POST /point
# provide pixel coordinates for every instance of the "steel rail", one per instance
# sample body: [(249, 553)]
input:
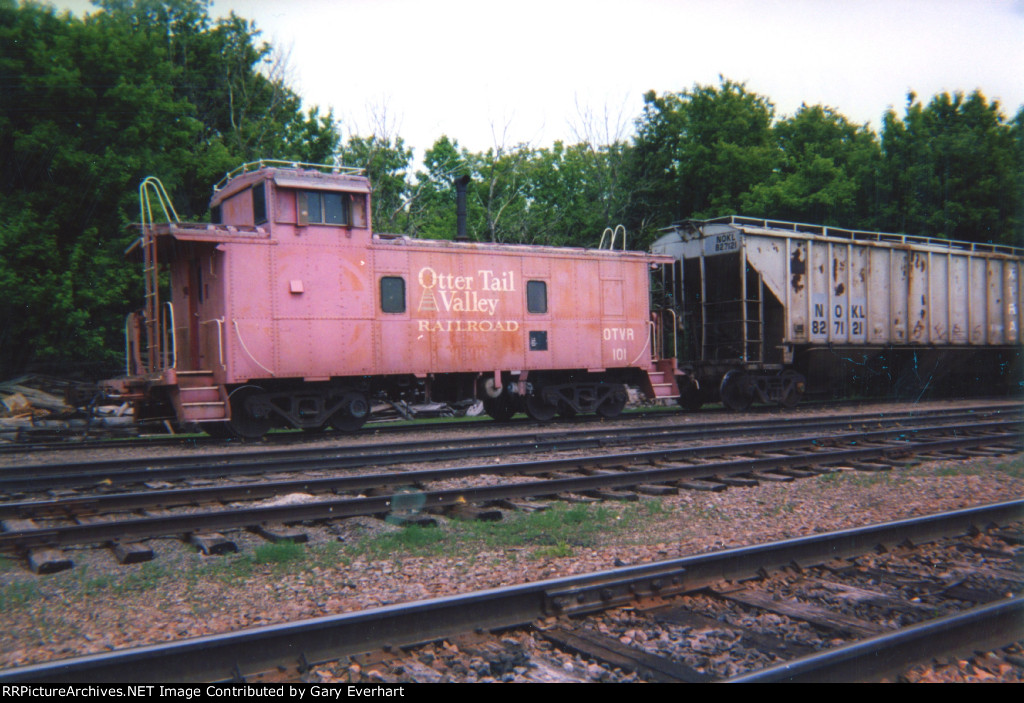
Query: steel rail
[(120, 471), (310, 642), (265, 489), (989, 626), (236, 517), (514, 439), (377, 427)]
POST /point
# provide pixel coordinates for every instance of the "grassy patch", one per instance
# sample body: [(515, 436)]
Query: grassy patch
[(555, 551), (553, 532), (958, 470), (411, 539), (233, 569), (708, 511), (146, 578), (1014, 467), (16, 595), (278, 553), (780, 508), (93, 585), (860, 479)]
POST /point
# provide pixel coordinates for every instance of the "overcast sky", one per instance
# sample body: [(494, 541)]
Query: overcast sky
[(490, 72)]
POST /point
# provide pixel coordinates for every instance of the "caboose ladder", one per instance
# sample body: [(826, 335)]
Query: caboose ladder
[(661, 380), (199, 398), (155, 333)]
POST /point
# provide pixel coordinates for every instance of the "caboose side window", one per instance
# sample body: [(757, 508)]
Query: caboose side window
[(259, 204), (322, 208), (392, 294), (536, 296)]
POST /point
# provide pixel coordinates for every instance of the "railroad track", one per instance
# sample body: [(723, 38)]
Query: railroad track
[(462, 425), (920, 588), (119, 472), (114, 519)]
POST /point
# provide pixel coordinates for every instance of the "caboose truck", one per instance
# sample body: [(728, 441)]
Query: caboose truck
[(288, 310), (766, 304)]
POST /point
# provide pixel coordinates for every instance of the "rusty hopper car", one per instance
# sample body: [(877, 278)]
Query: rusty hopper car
[(768, 307), (288, 310)]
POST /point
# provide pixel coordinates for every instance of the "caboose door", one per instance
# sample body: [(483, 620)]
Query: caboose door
[(192, 361)]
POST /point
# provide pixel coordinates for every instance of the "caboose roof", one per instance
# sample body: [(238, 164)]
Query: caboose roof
[(406, 241), (291, 174)]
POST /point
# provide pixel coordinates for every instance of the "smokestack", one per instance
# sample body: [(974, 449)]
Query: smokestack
[(460, 209)]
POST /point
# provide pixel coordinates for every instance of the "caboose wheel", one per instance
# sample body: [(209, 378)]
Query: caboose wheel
[(612, 405), (736, 391), (352, 414), (344, 422), (500, 408), (250, 416), (540, 410)]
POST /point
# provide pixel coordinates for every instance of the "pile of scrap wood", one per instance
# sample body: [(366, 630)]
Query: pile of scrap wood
[(30, 404)]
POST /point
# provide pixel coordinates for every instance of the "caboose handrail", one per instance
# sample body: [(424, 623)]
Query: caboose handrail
[(174, 337), (220, 338), (614, 234), (153, 184), (647, 344), (281, 163), (238, 332)]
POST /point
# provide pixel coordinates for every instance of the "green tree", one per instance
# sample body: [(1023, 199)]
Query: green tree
[(87, 109), (952, 169), (432, 199), (696, 153), (826, 173)]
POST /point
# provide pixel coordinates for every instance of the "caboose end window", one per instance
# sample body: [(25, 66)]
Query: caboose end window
[(537, 296), (392, 294), (322, 208)]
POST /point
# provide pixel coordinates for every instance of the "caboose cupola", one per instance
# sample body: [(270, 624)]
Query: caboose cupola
[(292, 196)]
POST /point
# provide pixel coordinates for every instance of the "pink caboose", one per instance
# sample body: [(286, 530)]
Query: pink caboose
[(290, 311)]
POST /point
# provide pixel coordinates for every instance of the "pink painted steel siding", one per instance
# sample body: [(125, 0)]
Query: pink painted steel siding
[(304, 310), (305, 303)]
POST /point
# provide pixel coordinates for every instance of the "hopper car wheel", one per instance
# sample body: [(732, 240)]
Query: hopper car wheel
[(250, 419), (689, 395), (736, 391), (540, 410), (352, 414), (793, 385), (612, 405)]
